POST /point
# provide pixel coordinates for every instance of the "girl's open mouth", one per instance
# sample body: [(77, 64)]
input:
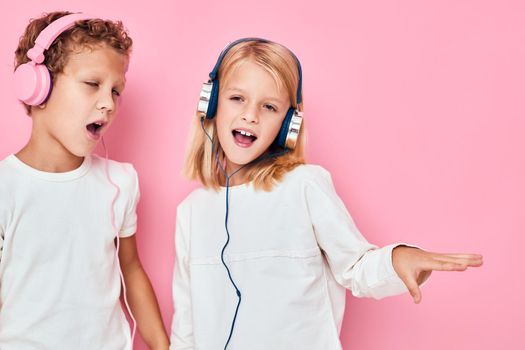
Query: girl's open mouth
[(243, 138)]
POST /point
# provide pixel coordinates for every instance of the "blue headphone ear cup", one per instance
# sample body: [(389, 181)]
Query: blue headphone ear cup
[(283, 132), (214, 100)]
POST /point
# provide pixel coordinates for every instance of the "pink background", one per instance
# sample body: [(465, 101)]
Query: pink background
[(415, 107)]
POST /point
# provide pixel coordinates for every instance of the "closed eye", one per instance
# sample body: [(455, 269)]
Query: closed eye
[(270, 107), (236, 98), (96, 84)]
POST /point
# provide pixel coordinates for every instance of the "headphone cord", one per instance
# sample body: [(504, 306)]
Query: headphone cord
[(228, 177), (112, 214)]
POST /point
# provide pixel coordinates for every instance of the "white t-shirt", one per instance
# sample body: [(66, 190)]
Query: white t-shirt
[(292, 253), (59, 276)]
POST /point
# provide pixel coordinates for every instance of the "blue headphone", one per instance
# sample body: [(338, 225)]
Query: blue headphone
[(209, 97)]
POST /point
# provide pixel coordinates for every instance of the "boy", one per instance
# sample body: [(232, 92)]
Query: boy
[(62, 209)]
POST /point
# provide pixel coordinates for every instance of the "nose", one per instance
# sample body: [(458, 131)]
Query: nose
[(106, 102), (250, 115)]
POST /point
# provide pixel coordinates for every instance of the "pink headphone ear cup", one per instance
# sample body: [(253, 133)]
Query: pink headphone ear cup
[(32, 83)]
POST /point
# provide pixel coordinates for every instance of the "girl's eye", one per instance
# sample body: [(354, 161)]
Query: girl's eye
[(116, 92), (236, 98), (270, 107), (92, 83)]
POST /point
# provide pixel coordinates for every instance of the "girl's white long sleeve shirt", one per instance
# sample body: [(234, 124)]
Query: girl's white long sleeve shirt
[(293, 251)]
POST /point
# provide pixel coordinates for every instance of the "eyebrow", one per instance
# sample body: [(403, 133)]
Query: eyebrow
[(235, 89)]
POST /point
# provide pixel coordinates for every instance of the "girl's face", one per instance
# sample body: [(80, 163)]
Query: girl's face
[(251, 109)]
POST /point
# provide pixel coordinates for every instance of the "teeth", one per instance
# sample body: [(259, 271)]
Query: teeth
[(242, 132)]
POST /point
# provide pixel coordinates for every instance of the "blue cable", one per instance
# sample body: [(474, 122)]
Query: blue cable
[(228, 177)]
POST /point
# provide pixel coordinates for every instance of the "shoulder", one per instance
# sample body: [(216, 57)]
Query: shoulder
[(122, 174), (197, 196), (7, 180), (8, 174), (114, 167), (6, 164), (308, 173), (12, 186)]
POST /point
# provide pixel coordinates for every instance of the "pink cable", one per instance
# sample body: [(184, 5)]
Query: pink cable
[(112, 212)]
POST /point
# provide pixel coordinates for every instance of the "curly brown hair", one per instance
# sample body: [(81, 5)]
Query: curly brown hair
[(84, 34)]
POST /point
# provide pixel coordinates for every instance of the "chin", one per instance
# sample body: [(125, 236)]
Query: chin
[(81, 152), (242, 156), (242, 160), (238, 160)]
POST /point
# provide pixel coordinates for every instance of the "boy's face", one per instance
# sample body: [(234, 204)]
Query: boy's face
[(83, 101), (250, 112)]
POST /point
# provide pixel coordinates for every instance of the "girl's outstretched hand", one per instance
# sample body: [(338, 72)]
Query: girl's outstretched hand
[(414, 265)]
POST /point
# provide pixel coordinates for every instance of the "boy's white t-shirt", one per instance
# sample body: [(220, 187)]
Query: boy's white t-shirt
[(59, 276), (293, 252)]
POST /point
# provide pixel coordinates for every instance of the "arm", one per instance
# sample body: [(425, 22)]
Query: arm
[(182, 326), (141, 297), (356, 264), (364, 268)]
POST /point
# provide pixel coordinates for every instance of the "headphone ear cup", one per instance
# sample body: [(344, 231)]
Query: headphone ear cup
[(32, 83), (214, 100), (289, 132), (204, 98), (285, 126)]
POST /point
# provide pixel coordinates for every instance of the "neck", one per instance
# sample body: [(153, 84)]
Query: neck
[(239, 177), (48, 157)]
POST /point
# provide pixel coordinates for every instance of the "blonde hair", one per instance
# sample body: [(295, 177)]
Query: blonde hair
[(200, 163)]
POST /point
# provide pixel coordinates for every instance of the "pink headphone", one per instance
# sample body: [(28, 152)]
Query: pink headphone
[(32, 80)]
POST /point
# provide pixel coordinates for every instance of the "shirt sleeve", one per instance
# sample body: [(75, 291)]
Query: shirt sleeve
[(1, 242), (182, 324), (356, 264), (129, 224)]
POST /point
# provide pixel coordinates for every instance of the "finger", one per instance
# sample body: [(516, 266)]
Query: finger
[(467, 257), (413, 289), (444, 266), (473, 262), (463, 255)]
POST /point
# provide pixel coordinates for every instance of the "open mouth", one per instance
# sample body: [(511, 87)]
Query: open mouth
[(243, 138), (94, 129)]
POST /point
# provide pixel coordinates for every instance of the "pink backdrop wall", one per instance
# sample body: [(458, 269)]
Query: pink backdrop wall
[(416, 107)]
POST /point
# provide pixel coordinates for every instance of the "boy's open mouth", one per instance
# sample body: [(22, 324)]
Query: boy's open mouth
[(95, 128), (243, 138)]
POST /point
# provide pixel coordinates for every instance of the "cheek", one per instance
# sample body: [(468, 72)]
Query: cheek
[(274, 127), (67, 101), (222, 121), (222, 131), (229, 108)]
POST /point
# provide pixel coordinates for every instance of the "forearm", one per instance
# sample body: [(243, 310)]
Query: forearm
[(374, 276), (145, 309)]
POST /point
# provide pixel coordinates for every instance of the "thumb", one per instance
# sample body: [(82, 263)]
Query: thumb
[(413, 289)]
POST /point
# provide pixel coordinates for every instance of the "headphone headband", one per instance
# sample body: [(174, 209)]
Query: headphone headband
[(48, 35), (215, 72), (32, 80)]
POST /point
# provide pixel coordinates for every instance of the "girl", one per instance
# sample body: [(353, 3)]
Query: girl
[(266, 249)]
